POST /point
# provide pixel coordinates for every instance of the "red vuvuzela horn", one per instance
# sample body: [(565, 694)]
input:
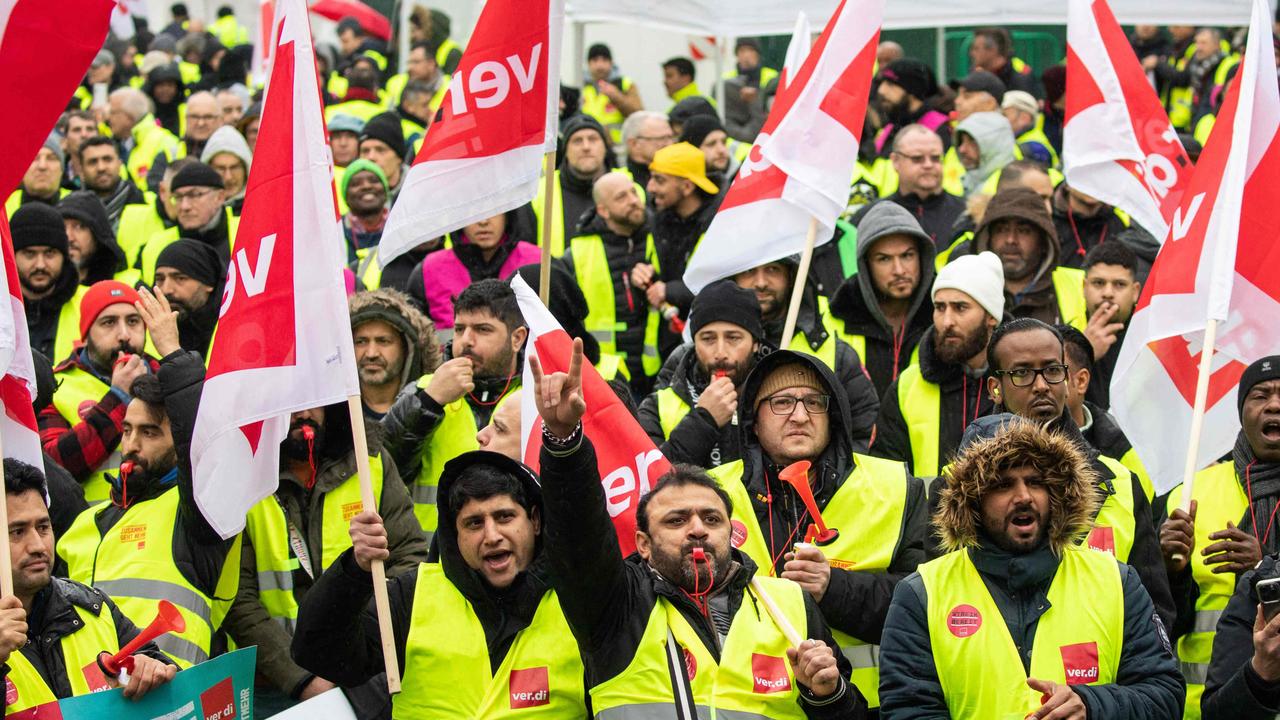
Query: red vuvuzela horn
[(168, 619), (797, 476)]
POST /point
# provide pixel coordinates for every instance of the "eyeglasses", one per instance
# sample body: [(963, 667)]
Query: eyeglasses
[(179, 198), (920, 159), (203, 118), (656, 138), (786, 404), (1025, 377)]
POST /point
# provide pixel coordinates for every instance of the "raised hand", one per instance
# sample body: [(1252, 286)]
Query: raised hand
[(815, 667), (368, 540), (1102, 333), (559, 395), (1178, 539), (451, 381), (161, 320)]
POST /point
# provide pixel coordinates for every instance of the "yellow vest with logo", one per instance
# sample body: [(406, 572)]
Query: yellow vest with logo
[(454, 435), (1068, 287), (867, 509), (752, 680), (979, 667), (1115, 526), (591, 267), (76, 387), (447, 672), (599, 106), (151, 251), (79, 650), (268, 530), (133, 563), (1220, 499)]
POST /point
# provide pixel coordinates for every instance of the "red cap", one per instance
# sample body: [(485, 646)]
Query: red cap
[(100, 296)]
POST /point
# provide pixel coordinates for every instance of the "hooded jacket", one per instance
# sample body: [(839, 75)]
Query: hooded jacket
[(422, 349), (107, 259), (608, 599), (996, 145), (937, 214), (338, 636), (1038, 299), (42, 314), (857, 304), (1148, 683), (169, 114), (695, 439), (227, 139)]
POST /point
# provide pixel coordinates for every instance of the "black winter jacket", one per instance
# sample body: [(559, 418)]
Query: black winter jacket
[(1233, 689), (1148, 684), (608, 599), (676, 238)]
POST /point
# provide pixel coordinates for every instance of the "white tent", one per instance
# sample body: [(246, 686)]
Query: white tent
[(734, 18)]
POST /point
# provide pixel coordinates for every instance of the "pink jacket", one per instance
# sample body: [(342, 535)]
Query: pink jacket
[(444, 276)]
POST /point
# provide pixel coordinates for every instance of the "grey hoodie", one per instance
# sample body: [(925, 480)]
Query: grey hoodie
[(882, 220), (995, 143)]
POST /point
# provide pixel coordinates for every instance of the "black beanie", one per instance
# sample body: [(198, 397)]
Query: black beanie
[(385, 127), (689, 107), (193, 259), (724, 300), (697, 128), (913, 76), (38, 225), (1262, 370), (197, 174), (581, 122)]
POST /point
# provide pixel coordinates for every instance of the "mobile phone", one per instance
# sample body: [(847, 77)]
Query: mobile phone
[(1269, 597)]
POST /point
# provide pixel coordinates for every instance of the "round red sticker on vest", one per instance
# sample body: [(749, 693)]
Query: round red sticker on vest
[(690, 663), (10, 692), (964, 620), (738, 535)]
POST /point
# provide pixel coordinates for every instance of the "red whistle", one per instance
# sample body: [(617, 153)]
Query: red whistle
[(308, 433), (699, 555), (797, 476), (721, 373), (124, 358), (126, 469)]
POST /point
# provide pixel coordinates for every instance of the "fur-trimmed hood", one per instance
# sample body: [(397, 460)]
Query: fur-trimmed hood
[(997, 442), (394, 308)]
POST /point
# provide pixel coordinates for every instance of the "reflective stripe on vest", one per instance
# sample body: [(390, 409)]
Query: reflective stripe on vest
[(1068, 287), (591, 267), (752, 679), (268, 531), (447, 671), (75, 388), (133, 563), (1220, 499), (920, 403), (978, 666), (79, 652)]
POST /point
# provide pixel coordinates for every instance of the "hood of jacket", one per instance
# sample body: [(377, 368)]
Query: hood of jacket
[(108, 259), (418, 332), (1004, 441), (1021, 204), (469, 581), (856, 299), (991, 131)]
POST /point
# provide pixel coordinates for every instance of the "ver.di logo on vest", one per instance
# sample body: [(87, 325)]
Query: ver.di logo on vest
[(529, 687), (1080, 663), (770, 674)]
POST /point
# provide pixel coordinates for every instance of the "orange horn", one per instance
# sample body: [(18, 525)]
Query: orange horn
[(797, 476), (168, 619)]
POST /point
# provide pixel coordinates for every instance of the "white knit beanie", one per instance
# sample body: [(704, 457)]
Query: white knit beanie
[(980, 276)]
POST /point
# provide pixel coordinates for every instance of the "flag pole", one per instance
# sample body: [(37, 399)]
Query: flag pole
[(797, 291), (6, 564), (548, 203), (1197, 414), (381, 603), (788, 630)]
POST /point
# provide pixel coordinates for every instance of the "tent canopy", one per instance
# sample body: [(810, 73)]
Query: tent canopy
[(771, 17)]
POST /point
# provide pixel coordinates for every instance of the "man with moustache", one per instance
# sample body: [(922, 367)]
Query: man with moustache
[(91, 243), (50, 283), (437, 418), (197, 191), (586, 157), (906, 86), (190, 276), (151, 540), (81, 430), (292, 537), (685, 201), (395, 345), (1111, 292), (100, 165)]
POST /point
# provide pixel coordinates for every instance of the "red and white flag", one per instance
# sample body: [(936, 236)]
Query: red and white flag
[(629, 463), (797, 51), (1118, 144), (45, 50), (1218, 262), (800, 165), (18, 431), (284, 334), (499, 117)]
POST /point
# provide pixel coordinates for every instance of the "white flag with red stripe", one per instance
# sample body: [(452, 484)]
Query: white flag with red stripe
[(499, 117), (628, 461), (1218, 262), (1118, 144), (797, 51), (18, 431), (284, 334), (800, 165)]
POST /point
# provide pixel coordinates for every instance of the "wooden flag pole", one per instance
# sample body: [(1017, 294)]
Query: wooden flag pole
[(797, 291), (380, 600), (788, 630), (548, 204), (1197, 414), (6, 565)]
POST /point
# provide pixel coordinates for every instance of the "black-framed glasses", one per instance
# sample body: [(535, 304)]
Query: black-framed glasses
[(786, 404), (1026, 377), (920, 159)]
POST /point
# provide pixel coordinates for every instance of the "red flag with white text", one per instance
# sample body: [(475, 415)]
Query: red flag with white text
[(483, 156), (801, 163), (45, 51), (1217, 262), (284, 334), (18, 431), (628, 461), (1118, 144)]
